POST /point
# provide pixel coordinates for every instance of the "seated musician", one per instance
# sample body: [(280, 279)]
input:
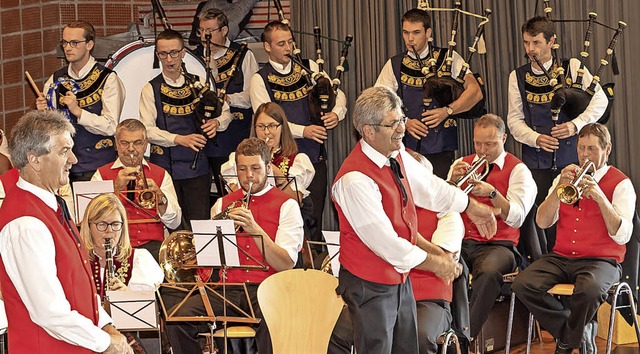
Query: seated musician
[(508, 186), (590, 245), (131, 142), (273, 215)]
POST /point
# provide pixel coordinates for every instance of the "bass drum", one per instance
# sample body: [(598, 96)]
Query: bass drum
[(134, 65)]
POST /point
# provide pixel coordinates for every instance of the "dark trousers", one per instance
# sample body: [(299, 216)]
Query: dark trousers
[(318, 193), (193, 198), (153, 247), (183, 336), (215, 163), (441, 162), (487, 263), (383, 316), (544, 178), (592, 278)]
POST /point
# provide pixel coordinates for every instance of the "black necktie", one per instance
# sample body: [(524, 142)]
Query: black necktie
[(397, 173), (65, 216), (491, 165)]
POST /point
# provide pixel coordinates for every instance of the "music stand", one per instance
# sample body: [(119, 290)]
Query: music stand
[(134, 311), (85, 191), (222, 245), (333, 249), (134, 203), (272, 179)]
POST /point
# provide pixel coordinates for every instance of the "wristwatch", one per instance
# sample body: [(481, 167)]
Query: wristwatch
[(163, 200), (449, 111), (493, 194)]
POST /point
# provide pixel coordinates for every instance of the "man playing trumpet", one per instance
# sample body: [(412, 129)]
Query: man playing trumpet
[(590, 244), (125, 172), (508, 186)]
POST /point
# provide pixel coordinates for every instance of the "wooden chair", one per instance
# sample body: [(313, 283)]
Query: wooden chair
[(300, 308)]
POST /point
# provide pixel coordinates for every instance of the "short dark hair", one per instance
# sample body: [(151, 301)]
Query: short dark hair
[(418, 16), (537, 25), (214, 14), (598, 130), (272, 26), (254, 147), (169, 34), (89, 31)]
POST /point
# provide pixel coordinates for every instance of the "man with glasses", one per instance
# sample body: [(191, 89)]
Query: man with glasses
[(94, 110), (145, 225), (216, 48), (176, 133)]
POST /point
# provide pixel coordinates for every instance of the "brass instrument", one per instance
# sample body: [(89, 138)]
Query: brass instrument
[(176, 251), (242, 202), (569, 193), (109, 268), (473, 172), (146, 197)]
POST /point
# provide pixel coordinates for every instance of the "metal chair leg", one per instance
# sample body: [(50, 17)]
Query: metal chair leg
[(621, 288), (512, 305), (529, 330), (446, 339)]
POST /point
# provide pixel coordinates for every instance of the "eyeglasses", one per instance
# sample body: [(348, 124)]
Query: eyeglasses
[(73, 44), (393, 125), (136, 144), (269, 127), (102, 226), (173, 54), (200, 31)]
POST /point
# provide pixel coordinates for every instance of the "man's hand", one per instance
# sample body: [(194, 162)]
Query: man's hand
[(243, 217), (210, 127), (416, 128), (459, 170), (481, 189), (41, 103), (118, 343), (484, 217), (592, 189), (124, 176), (315, 133), (547, 143), (445, 267), (564, 130), (71, 102), (193, 141), (433, 117), (330, 120)]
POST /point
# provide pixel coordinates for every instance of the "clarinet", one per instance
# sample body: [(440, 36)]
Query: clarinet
[(473, 48), (604, 62), (585, 51), (110, 268)]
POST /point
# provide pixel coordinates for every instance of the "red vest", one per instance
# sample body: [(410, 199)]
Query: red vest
[(139, 233), (498, 178), (426, 285), (9, 180), (581, 229), (355, 256), (266, 212), (73, 273)]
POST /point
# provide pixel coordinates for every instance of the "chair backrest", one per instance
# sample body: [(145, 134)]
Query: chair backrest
[(300, 308), (533, 242), (631, 265)]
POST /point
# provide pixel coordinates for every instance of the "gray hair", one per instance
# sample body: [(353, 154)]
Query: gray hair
[(372, 106), (491, 120), (131, 125), (32, 134)]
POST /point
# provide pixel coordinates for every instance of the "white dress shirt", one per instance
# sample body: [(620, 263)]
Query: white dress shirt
[(301, 169), (249, 67), (260, 95), (360, 200), (521, 191), (112, 101), (29, 257), (515, 116), (149, 114), (623, 202), (449, 232), (173, 214), (289, 235)]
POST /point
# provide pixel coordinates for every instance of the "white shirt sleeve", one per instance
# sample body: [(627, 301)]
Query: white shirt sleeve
[(258, 92), (289, 235), (28, 254), (173, 215), (624, 202), (146, 273), (303, 171), (518, 127), (387, 78), (521, 195), (249, 67), (112, 102), (449, 232), (148, 115)]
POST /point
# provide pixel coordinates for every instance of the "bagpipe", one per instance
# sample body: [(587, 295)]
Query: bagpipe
[(572, 98), (440, 83), (322, 97)]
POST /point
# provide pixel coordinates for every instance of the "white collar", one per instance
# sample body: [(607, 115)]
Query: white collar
[(84, 71), (47, 197), (118, 164), (375, 156)]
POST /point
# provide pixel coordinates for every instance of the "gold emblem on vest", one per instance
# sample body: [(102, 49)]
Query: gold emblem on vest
[(237, 116), (155, 149), (178, 94), (104, 144)]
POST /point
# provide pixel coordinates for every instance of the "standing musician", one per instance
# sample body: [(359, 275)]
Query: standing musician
[(46, 280), (176, 134), (273, 215), (435, 129), (529, 116), (94, 110), (376, 192), (216, 47), (281, 81), (131, 142), (590, 244), (508, 186)]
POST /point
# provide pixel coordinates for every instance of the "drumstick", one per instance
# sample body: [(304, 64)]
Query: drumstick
[(33, 84)]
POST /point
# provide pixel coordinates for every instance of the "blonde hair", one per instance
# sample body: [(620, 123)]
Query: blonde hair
[(98, 207)]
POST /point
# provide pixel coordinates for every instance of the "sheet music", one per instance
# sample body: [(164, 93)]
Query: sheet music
[(207, 250), (85, 191), (133, 310), (333, 247)]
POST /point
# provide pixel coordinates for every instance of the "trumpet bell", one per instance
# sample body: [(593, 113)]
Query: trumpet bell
[(176, 251), (568, 193)]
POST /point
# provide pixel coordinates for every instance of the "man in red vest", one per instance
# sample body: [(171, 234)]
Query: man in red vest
[(270, 213), (509, 186), (590, 245), (376, 192), (47, 285), (146, 226)]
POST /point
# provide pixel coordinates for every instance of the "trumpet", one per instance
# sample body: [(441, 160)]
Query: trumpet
[(569, 193), (146, 197), (241, 202), (473, 172)]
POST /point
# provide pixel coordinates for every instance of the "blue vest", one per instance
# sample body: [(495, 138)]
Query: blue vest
[(410, 81), (176, 115), (291, 92), (536, 94), (92, 150), (224, 143)]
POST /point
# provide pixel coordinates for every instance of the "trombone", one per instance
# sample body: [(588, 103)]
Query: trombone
[(473, 172), (569, 193)]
